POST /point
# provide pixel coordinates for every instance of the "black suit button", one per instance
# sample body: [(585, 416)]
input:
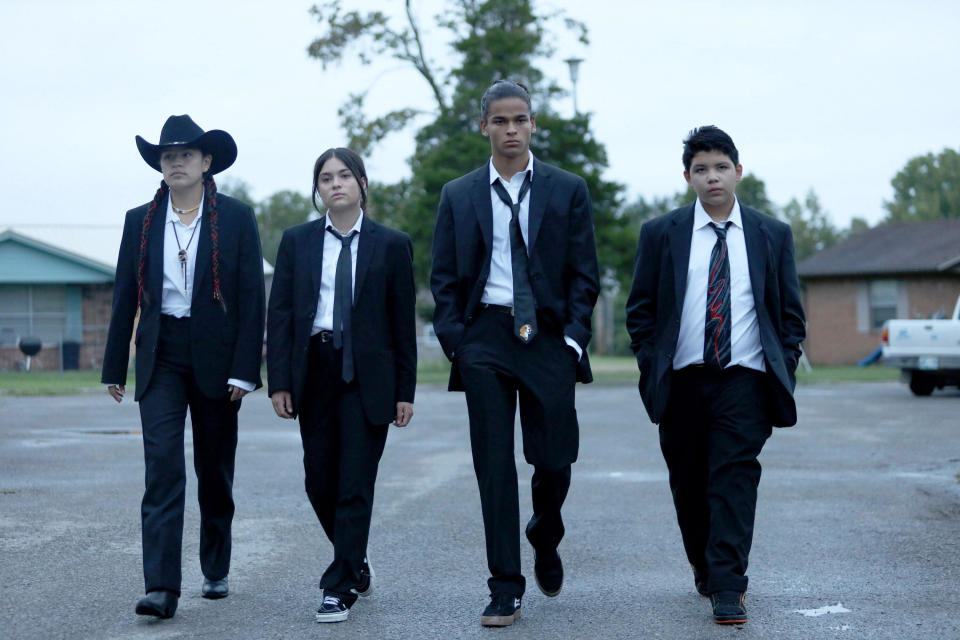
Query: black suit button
[(312, 314), (469, 318), (669, 356)]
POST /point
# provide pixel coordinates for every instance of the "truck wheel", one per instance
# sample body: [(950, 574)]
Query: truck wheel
[(921, 384)]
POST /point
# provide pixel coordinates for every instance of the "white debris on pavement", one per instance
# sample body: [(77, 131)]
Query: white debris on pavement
[(832, 608)]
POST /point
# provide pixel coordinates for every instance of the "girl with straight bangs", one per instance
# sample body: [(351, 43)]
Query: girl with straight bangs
[(342, 357), (190, 268)]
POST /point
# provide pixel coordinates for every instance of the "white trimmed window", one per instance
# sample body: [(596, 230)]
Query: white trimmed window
[(883, 296), (38, 311)]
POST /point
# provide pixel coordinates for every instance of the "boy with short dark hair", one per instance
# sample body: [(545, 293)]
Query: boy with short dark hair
[(715, 321)]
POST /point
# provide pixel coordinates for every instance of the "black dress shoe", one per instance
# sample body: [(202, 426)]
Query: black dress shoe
[(700, 581), (162, 604), (502, 610), (214, 589), (548, 571), (728, 607)]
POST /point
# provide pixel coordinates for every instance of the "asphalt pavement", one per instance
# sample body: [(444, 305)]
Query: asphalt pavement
[(856, 533)]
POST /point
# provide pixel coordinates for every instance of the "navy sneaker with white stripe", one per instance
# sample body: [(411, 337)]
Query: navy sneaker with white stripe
[(332, 609)]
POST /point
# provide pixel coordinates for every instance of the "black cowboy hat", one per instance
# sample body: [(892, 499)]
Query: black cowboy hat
[(181, 131)]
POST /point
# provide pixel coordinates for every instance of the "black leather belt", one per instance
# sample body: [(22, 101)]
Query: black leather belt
[(499, 308), (324, 335)]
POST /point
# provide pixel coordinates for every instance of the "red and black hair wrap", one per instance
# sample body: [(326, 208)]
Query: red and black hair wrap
[(210, 193)]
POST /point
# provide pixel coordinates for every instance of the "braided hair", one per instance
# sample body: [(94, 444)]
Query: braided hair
[(159, 197), (210, 195)]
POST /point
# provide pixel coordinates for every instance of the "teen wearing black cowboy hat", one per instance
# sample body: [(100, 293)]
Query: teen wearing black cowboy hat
[(190, 263)]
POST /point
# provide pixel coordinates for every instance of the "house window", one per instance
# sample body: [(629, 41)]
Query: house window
[(32, 310), (883, 296)]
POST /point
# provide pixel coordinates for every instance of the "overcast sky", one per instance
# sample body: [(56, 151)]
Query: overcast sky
[(834, 96)]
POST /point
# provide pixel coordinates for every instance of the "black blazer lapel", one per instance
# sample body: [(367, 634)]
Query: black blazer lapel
[(365, 250), (757, 248), (681, 232), (315, 256), (539, 194)]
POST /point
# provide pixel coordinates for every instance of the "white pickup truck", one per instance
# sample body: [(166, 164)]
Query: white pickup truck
[(927, 351)]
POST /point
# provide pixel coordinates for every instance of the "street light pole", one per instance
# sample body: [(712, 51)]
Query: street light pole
[(574, 65)]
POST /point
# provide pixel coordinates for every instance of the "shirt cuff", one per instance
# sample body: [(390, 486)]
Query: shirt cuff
[(242, 384), (573, 345)]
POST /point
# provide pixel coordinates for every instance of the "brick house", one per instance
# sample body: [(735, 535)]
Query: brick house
[(896, 270), (56, 284)]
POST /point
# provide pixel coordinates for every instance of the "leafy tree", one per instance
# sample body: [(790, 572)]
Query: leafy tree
[(494, 39), (856, 226), (927, 188), (641, 210), (812, 229), (236, 188), (279, 211)]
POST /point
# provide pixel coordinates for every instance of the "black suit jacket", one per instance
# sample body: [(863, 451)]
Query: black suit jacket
[(225, 344), (383, 319), (656, 300), (562, 257)]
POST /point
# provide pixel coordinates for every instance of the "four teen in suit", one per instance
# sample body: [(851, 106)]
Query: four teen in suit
[(190, 264), (714, 317), (716, 323), (515, 279), (342, 356)]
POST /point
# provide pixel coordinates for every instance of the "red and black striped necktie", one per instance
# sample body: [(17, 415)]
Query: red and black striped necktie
[(716, 343)]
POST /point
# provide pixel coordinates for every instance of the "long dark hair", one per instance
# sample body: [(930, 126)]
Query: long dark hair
[(210, 195), (353, 162)]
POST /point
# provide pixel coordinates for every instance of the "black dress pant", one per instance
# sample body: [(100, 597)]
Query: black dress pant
[(163, 411), (341, 453), (497, 370), (715, 426)]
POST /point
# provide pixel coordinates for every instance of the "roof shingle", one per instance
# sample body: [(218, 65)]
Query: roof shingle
[(898, 247)]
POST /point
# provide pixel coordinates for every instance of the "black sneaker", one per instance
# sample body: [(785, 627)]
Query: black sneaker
[(548, 572), (728, 607), (365, 590), (502, 610), (332, 609), (700, 581)]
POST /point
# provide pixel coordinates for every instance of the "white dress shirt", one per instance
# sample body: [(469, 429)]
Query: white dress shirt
[(177, 291), (499, 287), (745, 349), (323, 320)]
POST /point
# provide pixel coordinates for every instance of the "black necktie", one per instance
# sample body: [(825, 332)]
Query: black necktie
[(343, 302), (716, 342), (524, 305)]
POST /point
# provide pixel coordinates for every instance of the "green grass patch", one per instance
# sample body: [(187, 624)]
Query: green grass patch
[(826, 375), (436, 371), (49, 383), (606, 369)]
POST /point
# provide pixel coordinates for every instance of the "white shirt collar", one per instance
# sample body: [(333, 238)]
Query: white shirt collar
[(701, 218), (356, 226), (494, 174)]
